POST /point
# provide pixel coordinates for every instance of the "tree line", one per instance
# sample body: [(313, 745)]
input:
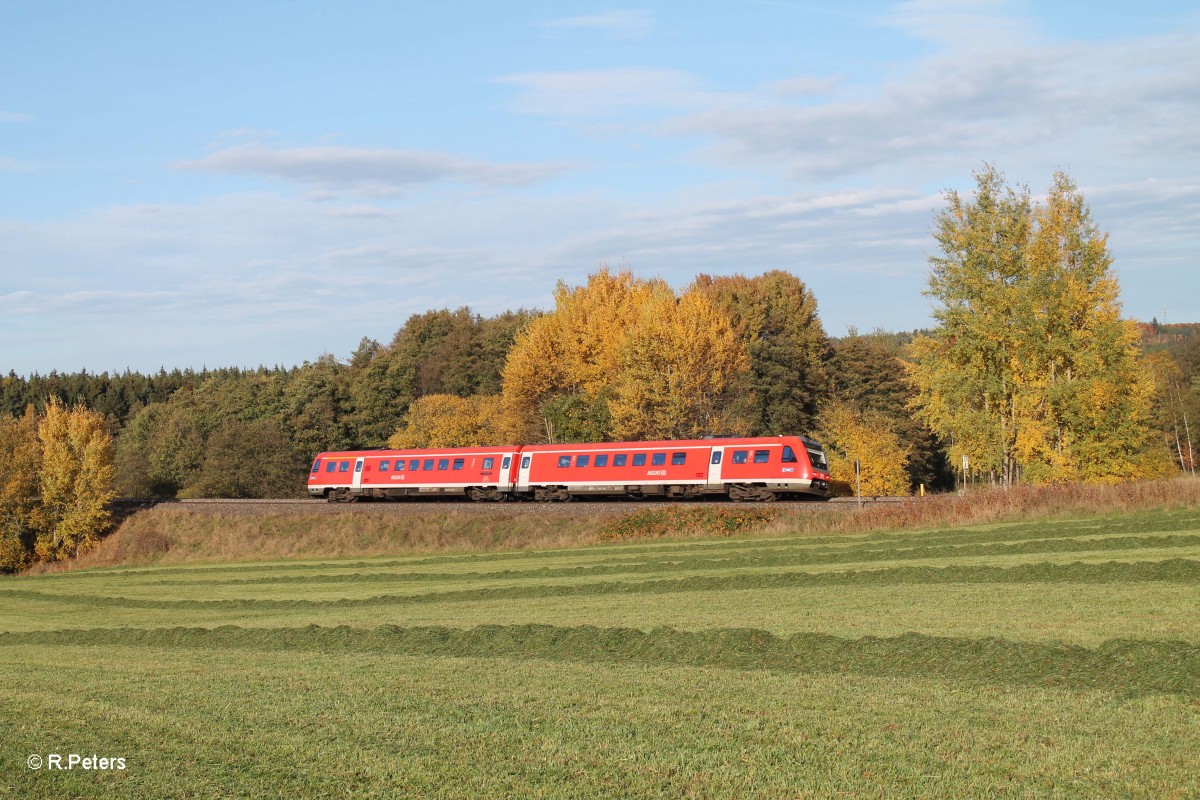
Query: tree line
[(1030, 375)]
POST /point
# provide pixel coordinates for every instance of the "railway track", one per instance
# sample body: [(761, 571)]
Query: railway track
[(433, 506)]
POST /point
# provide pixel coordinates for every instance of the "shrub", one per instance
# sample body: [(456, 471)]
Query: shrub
[(658, 522)]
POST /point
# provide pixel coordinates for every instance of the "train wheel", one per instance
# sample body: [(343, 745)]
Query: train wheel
[(342, 495), (749, 493)]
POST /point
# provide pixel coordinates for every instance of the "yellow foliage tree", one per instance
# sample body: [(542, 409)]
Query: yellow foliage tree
[(21, 455), (1031, 372), (620, 356), (533, 373), (572, 352), (677, 364), (76, 481), (849, 435), (447, 420)]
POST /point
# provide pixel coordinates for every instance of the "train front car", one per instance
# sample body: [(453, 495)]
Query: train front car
[(818, 480), (750, 469), (764, 468)]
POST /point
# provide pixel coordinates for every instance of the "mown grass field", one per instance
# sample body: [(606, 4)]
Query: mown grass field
[(1019, 659)]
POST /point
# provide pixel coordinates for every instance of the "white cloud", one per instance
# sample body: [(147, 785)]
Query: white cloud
[(368, 171), (802, 87), (629, 24), (994, 89), (16, 165), (1129, 102), (965, 25), (610, 91), (12, 116), (89, 302), (261, 277)]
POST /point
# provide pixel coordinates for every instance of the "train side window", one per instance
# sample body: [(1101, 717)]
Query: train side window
[(658, 459), (458, 463), (488, 462), (317, 465), (602, 461), (679, 458), (358, 466), (762, 456), (384, 465), (443, 463), (525, 462), (639, 459), (399, 465), (789, 455), (414, 464), (582, 461), (331, 466), (716, 457), (344, 466), (428, 465), (564, 461), (740, 456), (504, 464), (619, 460)]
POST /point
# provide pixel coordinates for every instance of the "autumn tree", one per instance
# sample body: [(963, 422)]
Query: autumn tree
[(622, 357), (678, 365), (866, 372), (76, 481), (1175, 409), (775, 315), (447, 420), (1031, 372), (573, 352), (21, 454), (851, 434)]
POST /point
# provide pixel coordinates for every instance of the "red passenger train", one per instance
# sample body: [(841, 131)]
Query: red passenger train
[(742, 468)]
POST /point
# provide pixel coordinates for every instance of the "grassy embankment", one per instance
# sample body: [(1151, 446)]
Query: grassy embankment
[(1011, 659), (174, 534)]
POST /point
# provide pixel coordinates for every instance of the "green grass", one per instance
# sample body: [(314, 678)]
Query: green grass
[(1014, 659)]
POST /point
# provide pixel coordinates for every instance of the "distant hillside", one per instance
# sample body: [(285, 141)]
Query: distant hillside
[(1172, 338)]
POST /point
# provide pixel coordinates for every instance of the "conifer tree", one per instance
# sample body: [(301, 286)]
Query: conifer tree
[(775, 315)]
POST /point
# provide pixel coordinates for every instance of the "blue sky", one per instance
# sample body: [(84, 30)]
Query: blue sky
[(242, 183)]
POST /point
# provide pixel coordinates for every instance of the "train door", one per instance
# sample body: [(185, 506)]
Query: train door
[(714, 467), (356, 483), (523, 472)]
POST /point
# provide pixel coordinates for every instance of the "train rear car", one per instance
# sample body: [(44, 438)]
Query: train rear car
[(475, 472)]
